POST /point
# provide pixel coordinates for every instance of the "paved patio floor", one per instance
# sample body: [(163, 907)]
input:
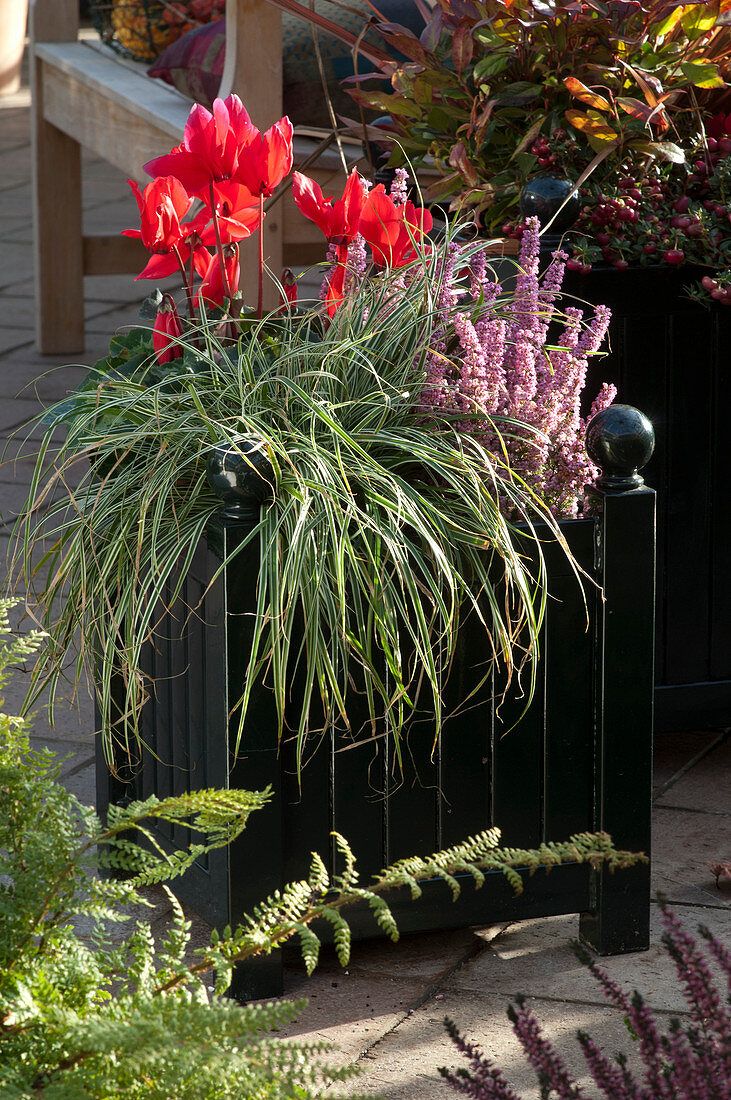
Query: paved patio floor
[(385, 1011)]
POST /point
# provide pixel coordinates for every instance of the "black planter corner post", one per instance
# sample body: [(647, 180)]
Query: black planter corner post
[(242, 476), (620, 441)]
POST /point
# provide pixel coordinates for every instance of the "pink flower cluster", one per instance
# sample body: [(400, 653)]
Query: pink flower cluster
[(492, 361)]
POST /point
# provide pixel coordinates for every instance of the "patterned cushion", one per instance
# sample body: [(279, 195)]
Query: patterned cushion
[(194, 63)]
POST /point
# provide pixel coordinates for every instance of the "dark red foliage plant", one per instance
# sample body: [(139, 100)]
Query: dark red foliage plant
[(688, 1060)]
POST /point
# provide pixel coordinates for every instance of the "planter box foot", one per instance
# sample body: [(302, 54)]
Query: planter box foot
[(258, 978), (621, 921)]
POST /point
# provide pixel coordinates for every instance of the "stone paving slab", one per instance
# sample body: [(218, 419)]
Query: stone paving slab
[(15, 166), (350, 1010), (12, 338), (404, 1064), (16, 415), (22, 376), (691, 790), (673, 751), (683, 843), (14, 126), (536, 957), (15, 202), (15, 227), (17, 266), (19, 231)]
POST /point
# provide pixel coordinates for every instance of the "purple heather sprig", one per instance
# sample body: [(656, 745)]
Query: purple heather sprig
[(689, 1061), (541, 1054), (497, 364)]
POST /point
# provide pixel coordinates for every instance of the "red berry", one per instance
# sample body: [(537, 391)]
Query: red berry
[(674, 256), (681, 204), (708, 283), (650, 247), (621, 265)]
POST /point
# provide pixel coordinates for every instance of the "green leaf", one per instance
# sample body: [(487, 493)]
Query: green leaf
[(586, 95), (151, 305), (526, 162), (492, 65), (596, 129), (390, 104), (663, 150), (699, 19), (462, 46), (702, 74), (519, 93)]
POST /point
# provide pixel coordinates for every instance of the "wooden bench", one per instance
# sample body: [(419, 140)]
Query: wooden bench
[(85, 96)]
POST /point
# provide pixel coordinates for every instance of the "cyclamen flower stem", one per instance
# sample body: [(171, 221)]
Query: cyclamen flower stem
[(219, 244), (260, 300), (187, 280)]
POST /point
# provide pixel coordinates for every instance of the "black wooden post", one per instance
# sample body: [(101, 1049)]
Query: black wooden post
[(242, 477), (620, 441)]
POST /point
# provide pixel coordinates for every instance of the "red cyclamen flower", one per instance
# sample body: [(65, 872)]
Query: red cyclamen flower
[(266, 158), (163, 204), (213, 288), (166, 331), (336, 284), (339, 220), (211, 146), (289, 289), (392, 231), (237, 210)]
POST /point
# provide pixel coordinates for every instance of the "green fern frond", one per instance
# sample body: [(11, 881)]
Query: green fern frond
[(319, 879), (310, 945), (341, 933), (383, 916)]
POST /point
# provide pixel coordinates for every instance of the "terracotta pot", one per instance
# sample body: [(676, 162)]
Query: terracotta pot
[(13, 20)]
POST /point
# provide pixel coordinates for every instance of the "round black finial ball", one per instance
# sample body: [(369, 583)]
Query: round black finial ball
[(542, 198), (620, 441), (242, 476)]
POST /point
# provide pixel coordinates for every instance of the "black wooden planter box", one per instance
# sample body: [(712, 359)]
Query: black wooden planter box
[(672, 358), (579, 760)]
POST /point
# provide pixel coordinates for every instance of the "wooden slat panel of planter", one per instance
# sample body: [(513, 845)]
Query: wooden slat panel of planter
[(563, 769)]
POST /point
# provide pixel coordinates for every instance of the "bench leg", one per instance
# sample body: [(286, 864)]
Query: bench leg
[(59, 272)]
